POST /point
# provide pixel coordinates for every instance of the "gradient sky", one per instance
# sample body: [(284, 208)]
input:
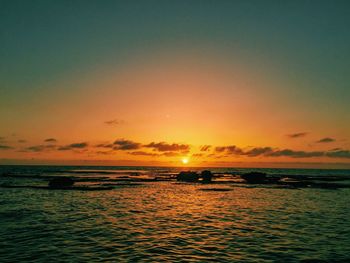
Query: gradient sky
[(257, 83)]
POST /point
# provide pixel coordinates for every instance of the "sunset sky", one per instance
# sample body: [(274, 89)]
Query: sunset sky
[(215, 83)]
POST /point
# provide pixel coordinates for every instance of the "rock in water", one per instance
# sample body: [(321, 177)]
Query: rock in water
[(254, 177), (187, 176), (206, 176), (61, 182)]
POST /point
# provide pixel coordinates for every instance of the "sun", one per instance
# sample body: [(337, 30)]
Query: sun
[(185, 160)]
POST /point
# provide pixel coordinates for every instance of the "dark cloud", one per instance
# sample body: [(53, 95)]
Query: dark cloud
[(122, 144), (297, 135), (21, 141), (114, 122), (339, 154), (5, 147), (205, 148), (39, 148), (197, 155), (166, 147), (231, 149), (326, 140), (51, 140), (73, 146), (335, 149), (294, 154), (105, 145), (226, 151), (257, 151)]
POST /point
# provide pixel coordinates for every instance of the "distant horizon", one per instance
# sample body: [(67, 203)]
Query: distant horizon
[(261, 165)]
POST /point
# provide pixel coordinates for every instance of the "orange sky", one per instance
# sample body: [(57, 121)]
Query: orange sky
[(172, 97)]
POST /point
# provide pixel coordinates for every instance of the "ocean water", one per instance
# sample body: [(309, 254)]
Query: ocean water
[(145, 220)]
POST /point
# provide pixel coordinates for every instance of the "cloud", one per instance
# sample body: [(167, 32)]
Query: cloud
[(226, 151), (339, 154), (205, 148), (73, 146), (104, 145), (231, 149), (142, 153), (297, 135), (257, 151), (51, 140), (214, 155), (326, 140), (294, 154), (5, 147), (171, 154), (153, 154), (122, 144), (335, 149), (39, 148), (21, 141), (104, 152), (114, 122), (166, 147)]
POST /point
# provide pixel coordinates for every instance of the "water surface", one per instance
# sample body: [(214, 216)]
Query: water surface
[(167, 221)]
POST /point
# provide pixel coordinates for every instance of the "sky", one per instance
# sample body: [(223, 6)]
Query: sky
[(192, 83)]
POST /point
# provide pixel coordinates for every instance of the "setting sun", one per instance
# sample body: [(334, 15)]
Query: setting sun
[(185, 160)]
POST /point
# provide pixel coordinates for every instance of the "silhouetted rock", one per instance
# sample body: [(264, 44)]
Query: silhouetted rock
[(61, 182), (254, 177), (187, 176), (206, 176)]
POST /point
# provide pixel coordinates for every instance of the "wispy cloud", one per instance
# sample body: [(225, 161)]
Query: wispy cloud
[(205, 148), (231, 149), (172, 154), (143, 153), (5, 147), (257, 151), (226, 151), (326, 140), (105, 145), (297, 135), (122, 144), (39, 148), (165, 147), (339, 154), (80, 145), (294, 154), (114, 122), (50, 140)]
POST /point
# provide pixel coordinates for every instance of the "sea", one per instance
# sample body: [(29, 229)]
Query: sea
[(143, 214)]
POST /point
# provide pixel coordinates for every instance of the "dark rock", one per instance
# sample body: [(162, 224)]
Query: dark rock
[(187, 176), (254, 177), (61, 182), (206, 176)]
